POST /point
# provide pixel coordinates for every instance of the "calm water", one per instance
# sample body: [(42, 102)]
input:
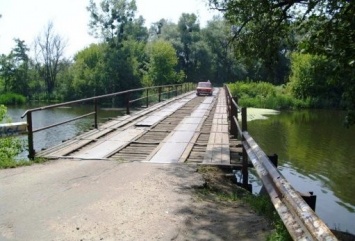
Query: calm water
[(54, 136), (316, 153)]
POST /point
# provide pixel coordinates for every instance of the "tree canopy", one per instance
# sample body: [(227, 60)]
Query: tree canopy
[(266, 30)]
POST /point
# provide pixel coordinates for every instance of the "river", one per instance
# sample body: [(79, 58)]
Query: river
[(316, 152)]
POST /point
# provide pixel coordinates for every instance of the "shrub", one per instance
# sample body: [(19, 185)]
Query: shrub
[(265, 95), (10, 147), (12, 99)]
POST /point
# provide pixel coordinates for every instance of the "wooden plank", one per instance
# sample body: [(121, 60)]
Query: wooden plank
[(66, 150), (104, 148), (217, 150)]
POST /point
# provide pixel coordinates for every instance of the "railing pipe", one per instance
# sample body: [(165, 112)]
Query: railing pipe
[(300, 220), (28, 113), (63, 122)]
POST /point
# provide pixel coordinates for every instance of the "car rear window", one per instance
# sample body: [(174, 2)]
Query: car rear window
[(204, 84)]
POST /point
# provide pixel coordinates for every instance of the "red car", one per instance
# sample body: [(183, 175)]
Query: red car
[(204, 88)]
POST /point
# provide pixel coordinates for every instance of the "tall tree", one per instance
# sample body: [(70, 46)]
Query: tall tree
[(89, 72), (225, 66), (21, 80), (109, 20), (49, 51), (189, 30), (162, 64), (114, 22), (263, 29), (14, 69), (7, 69)]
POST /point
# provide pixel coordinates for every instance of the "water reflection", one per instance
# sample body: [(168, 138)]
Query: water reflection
[(316, 153)]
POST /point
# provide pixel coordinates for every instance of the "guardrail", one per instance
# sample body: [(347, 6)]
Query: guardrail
[(158, 91), (300, 220), (13, 129)]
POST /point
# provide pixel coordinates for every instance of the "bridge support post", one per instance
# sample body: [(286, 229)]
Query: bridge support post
[(95, 117), (233, 113), (31, 150), (310, 199), (127, 104), (275, 161), (159, 93), (147, 98)]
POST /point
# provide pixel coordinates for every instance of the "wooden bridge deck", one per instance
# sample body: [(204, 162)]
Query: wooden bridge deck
[(186, 129)]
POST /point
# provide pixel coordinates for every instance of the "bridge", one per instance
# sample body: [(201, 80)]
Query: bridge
[(187, 129)]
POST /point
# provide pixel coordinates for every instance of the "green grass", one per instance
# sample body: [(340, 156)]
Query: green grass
[(12, 163), (12, 99)]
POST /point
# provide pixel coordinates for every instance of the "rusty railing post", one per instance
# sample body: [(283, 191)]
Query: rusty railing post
[(233, 112), (95, 116), (147, 98), (159, 91), (127, 103), (31, 150), (245, 155)]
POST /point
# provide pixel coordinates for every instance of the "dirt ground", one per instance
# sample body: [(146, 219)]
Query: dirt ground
[(105, 200)]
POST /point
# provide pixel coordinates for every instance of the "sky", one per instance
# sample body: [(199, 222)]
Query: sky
[(26, 19)]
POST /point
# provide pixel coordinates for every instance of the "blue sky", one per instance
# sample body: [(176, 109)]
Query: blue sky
[(26, 19)]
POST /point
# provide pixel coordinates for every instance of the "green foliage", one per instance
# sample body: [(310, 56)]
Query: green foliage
[(265, 32), (260, 37), (12, 99), (265, 95), (88, 72), (2, 112), (162, 63), (14, 68), (311, 78), (110, 20), (223, 64), (10, 147)]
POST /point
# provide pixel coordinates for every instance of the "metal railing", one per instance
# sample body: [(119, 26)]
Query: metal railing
[(158, 91), (300, 220)]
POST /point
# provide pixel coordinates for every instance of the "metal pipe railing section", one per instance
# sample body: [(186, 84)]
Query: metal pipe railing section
[(298, 217), (161, 91), (300, 220)]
